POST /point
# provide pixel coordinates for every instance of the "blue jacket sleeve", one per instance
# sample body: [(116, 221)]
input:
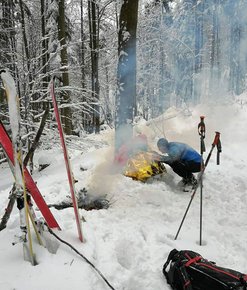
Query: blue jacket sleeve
[(174, 153), (180, 152)]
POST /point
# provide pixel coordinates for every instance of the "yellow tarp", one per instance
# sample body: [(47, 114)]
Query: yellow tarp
[(142, 166)]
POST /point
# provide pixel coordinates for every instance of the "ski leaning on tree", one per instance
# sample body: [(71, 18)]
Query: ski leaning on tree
[(31, 186), (22, 197), (23, 180)]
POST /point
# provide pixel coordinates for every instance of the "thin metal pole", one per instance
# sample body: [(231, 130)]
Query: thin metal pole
[(216, 141), (201, 131)]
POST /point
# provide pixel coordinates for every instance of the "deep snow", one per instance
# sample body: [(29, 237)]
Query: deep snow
[(130, 241)]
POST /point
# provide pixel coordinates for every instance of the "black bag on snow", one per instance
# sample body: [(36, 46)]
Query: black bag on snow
[(189, 271)]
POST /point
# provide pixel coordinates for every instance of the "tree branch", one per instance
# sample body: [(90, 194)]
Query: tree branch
[(36, 140)]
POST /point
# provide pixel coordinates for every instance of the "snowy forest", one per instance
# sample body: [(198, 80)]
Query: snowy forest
[(119, 69), (175, 45)]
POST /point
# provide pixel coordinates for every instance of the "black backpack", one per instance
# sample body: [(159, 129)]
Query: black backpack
[(190, 271)]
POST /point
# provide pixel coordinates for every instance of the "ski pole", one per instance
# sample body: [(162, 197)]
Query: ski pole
[(215, 142), (219, 150), (66, 160), (201, 131)]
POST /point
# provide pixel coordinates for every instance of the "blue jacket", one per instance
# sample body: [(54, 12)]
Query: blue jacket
[(180, 152)]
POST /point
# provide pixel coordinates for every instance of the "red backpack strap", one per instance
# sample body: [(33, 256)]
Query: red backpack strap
[(193, 260)]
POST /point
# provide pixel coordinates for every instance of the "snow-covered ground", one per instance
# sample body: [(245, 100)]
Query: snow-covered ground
[(130, 241)]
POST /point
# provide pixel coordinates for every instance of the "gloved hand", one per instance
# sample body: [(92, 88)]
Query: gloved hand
[(156, 156)]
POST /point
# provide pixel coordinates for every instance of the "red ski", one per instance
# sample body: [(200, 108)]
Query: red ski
[(32, 188), (67, 162)]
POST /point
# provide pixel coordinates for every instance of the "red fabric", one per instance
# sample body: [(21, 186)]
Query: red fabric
[(122, 155), (128, 149), (194, 260)]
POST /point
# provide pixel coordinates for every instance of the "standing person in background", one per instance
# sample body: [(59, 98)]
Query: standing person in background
[(182, 158)]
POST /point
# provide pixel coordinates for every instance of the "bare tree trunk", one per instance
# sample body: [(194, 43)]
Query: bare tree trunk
[(28, 95), (236, 31), (29, 156), (116, 14), (126, 73), (25, 45), (45, 54), (7, 47), (215, 52), (66, 114), (6, 23), (93, 15), (82, 52), (199, 9), (82, 63)]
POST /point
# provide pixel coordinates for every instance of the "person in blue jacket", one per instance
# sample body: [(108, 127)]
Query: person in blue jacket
[(182, 158)]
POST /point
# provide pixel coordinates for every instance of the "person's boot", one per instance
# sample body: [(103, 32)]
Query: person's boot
[(185, 180), (190, 180), (193, 180)]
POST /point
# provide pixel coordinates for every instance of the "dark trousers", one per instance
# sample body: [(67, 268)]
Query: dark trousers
[(185, 169)]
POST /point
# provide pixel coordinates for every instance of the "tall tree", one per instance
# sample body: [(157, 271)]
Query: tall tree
[(126, 72), (82, 50), (45, 53), (7, 46), (235, 47), (199, 10), (62, 36), (215, 73), (6, 21), (198, 34), (93, 16), (82, 53)]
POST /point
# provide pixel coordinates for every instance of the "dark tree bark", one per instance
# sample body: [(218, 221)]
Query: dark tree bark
[(28, 94), (29, 156), (45, 54), (235, 44), (198, 35), (66, 114), (9, 208), (215, 50), (199, 10), (93, 14), (82, 65), (126, 72), (82, 52), (27, 53), (6, 24), (7, 46)]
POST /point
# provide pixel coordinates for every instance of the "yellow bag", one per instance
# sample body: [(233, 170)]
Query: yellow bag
[(142, 166)]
